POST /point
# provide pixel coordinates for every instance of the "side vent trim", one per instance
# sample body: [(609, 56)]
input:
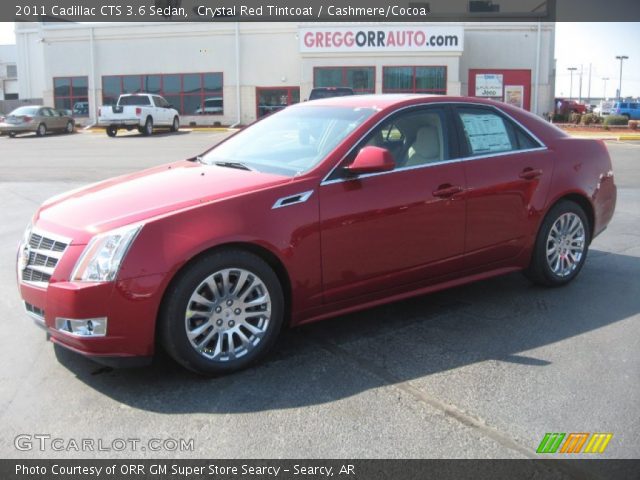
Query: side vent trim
[(292, 199)]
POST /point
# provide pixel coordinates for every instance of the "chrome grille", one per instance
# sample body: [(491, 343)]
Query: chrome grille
[(44, 251)]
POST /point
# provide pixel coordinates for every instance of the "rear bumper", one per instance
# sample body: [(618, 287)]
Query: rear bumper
[(125, 122), (8, 128)]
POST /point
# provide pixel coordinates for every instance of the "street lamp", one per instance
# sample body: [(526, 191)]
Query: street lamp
[(604, 92), (622, 58), (571, 69)]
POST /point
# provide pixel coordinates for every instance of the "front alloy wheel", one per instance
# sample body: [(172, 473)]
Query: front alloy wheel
[(222, 312), (228, 314)]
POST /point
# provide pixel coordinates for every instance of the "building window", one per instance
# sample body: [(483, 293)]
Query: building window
[(414, 80), (360, 79), (71, 93), (271, 100), (12, 71), (189, 93)]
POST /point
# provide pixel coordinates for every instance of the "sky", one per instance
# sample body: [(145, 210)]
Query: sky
[(577, 45)]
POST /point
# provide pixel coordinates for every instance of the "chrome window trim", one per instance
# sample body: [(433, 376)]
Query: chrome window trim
[(541, 146), (303, 197)]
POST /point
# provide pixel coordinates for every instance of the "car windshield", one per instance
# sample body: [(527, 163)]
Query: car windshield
[(137, 100), (291, 141), (25, 111)]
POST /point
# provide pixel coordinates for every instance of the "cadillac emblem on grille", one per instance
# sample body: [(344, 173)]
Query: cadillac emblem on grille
[(24, 257)]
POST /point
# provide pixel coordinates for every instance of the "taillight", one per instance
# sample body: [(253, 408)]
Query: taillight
[(138, 111), (27, 118)]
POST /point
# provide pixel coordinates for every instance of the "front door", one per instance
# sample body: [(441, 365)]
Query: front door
[(381, 232)]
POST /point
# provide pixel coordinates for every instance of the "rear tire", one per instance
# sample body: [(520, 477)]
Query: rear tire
[(148, 127), (42, 130), (112, 130), (12, 134), (561, 246), (222, 313)]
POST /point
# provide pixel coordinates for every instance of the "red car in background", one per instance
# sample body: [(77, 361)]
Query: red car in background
[(324, 208), (565, 107)]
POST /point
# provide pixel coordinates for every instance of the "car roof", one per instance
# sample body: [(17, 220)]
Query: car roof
[(389, 100)]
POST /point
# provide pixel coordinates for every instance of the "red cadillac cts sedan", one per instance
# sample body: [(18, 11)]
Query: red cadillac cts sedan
[(324, 208)]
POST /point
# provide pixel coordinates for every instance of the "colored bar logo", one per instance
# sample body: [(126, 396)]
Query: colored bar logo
[(574, 442)]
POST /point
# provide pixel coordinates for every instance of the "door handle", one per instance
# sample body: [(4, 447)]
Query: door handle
[(530, 173), (445, 191)]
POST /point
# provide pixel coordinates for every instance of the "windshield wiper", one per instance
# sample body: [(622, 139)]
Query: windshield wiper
[(239, 165)]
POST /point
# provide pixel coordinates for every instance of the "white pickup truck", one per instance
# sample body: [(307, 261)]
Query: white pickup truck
[(143, 111)]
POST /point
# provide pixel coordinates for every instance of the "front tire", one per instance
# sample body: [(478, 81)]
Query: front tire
[(175, 126), (561, 246), (69, 128), (222, 313), (42, 130)]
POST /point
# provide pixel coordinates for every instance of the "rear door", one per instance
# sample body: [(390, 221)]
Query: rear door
[(508, 173), (162, 113)]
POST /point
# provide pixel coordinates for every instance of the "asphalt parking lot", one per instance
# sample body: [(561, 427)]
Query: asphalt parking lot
[(481, 371)]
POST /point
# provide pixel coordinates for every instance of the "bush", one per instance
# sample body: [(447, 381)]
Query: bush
[(633, 124), (590, 118), (559, 118), (616, 120), (575, 118)]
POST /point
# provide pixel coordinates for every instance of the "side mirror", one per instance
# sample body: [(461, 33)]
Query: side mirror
[(371, 160)]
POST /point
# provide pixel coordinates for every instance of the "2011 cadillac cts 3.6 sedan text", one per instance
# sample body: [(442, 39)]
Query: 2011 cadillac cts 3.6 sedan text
[(324, 208)]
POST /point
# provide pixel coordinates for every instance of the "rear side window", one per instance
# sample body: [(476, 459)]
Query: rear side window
[(134, 100), (634, 106), (486, 132)]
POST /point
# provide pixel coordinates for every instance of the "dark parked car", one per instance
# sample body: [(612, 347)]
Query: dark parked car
[(329, 92), (318, 210), (38, 120)]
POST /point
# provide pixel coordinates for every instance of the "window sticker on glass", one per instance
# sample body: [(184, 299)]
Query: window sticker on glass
[(486, 133)]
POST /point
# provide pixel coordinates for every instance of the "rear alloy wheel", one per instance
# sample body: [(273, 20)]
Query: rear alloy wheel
[(148, 127), (112, 130), (12, 134), (223, 313), (42, 130), (175, 126), (561, 246), (69, 128)]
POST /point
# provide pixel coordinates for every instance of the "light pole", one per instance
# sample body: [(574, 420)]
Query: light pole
[(604, 92), (571, 69), (622, 58)]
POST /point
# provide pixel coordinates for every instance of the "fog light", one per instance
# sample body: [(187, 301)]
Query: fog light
[(86, 327)]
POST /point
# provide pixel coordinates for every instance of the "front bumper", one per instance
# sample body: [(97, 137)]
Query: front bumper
[(130, 307)]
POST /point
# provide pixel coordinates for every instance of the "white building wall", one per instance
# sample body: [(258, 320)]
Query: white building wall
[(269, 56)]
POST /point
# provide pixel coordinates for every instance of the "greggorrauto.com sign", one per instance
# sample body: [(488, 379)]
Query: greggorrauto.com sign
[(381, 38)]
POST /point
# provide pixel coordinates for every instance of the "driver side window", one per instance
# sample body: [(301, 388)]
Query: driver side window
[(414, 139)]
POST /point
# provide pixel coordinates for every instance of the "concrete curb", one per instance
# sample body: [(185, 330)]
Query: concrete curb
[(622, 138), (192, 129)]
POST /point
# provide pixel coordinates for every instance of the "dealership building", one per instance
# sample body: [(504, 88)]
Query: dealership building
[(232, 73)]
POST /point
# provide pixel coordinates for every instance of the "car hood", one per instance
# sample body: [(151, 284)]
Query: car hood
[(81, 213)]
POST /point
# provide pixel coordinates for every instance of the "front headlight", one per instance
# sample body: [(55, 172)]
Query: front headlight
[(101, 259)]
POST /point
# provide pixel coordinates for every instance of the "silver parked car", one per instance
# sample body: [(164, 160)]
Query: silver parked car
[(38, 119)]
